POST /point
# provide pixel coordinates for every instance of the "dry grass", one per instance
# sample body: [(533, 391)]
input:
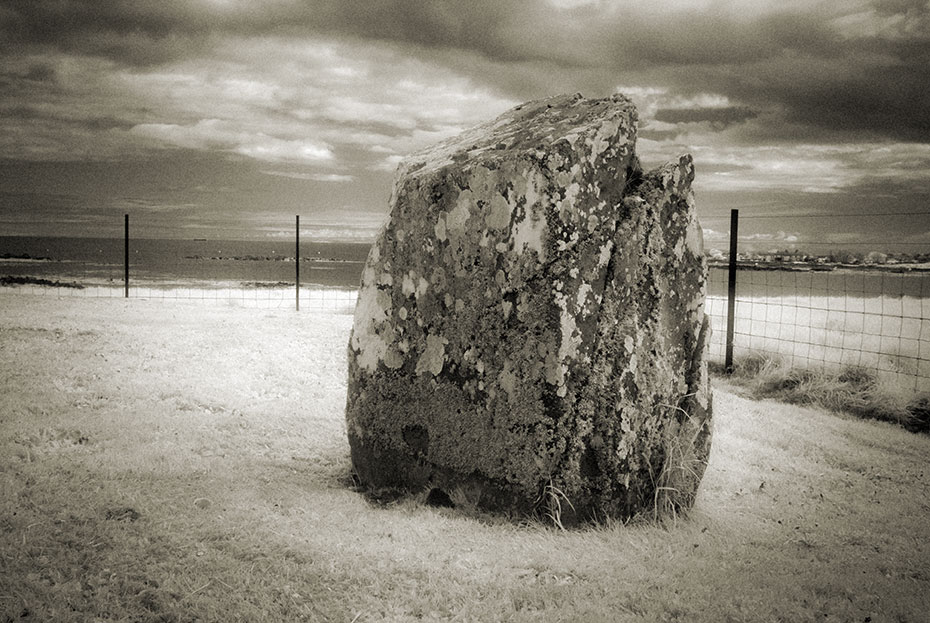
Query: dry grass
[(854, 390), (166, 462)]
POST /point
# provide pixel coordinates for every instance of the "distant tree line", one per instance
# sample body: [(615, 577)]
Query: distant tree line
[(839, 256)]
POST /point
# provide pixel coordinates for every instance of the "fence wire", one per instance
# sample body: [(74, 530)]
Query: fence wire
[(333, 300), (827, 320), (810, 318)]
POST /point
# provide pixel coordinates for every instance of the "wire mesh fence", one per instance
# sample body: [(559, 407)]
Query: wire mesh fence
[(826, 312), (272, 272), (827, 321), (812, 316), (333, 300)]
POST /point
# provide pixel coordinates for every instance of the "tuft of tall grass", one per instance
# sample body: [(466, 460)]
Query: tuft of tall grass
[(855, 390)]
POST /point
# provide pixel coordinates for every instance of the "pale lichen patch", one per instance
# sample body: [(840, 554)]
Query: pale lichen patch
[(569, 243), (498, 212), (458, 216), (393, 358), (570, 336), (604, 256), (422, 287), (566, 205), (507, 379), (694, 239), (703, 394), (554, 370), (529, 234), (408, 287), (371, 313), (602, 139), (433, 357), (583, 291)]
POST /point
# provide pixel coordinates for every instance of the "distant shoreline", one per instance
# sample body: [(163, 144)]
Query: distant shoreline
[(816, 267), (13, 281), (263, 264)]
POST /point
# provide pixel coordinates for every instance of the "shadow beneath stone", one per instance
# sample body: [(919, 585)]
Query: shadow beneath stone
[(439, 498)]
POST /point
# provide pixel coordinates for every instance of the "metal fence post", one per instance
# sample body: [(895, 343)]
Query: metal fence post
[(126, 255), (731, 290), (297, 262)]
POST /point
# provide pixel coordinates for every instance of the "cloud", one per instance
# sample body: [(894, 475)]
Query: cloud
[(332, 177), (348, 223), (717, 117), (845, 67), (819, 101), (270, 98), (225, 136), (779, 236), (273, 149), (149, 205), (332, 234), (727, 164), (712, 235), (315, 177), (389, 163)]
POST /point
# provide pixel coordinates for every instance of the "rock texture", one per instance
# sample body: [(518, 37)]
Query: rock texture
[(530, 333)]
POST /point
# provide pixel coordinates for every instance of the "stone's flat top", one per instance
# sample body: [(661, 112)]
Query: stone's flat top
[(527, 127)]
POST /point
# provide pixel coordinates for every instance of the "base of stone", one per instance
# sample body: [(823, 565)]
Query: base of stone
[(387, 473), (378, 469)]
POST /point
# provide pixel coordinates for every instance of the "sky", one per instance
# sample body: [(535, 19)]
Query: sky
[(225, 118)]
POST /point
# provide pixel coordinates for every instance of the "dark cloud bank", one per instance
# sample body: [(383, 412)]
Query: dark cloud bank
[(830, 69)]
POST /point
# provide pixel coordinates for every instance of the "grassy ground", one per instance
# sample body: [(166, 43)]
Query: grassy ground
[(161, 461), (854, 390)]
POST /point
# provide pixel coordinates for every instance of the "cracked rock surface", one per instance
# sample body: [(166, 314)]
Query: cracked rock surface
[(530, 332)]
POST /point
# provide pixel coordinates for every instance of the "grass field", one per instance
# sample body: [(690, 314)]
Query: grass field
[(170, 461)]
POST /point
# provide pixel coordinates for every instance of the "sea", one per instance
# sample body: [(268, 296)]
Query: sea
[(791, 282), (205, 263), (200, 263)]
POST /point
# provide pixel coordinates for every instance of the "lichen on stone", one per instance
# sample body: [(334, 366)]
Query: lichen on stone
[(531, 316)]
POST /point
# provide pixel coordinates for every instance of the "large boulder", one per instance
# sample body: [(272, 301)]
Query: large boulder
[(530, 331)]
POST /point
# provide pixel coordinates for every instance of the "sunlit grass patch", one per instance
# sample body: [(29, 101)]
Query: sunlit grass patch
[(855, 390)]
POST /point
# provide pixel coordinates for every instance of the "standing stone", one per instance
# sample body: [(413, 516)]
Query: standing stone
[(530, 330)]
